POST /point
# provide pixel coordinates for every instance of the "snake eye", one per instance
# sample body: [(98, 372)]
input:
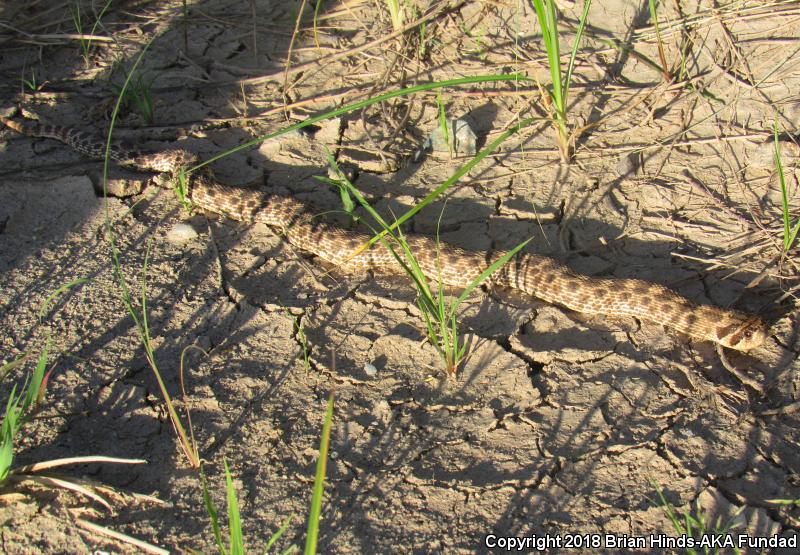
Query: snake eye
[(748, 334)]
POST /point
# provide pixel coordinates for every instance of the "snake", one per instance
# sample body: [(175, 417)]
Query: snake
[(532, 274)]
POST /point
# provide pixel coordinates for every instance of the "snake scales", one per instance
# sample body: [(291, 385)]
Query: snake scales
[(535, 275)]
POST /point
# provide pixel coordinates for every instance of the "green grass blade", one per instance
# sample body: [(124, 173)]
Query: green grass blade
[(319, 482), (64, 288), (789, 234), (408, 262), (344, 194), (443, 123), (234, 519), (145, 325), (99, 17), (35, 383), (347, 203), (19, 407), (186, 445), (668, 509), (8, 430), (491, 269), (8, 367), (546, 14), (212, 513), (6, 452), (277, 535), (575, 44), (661, 56), (784, 501), (554, 53)]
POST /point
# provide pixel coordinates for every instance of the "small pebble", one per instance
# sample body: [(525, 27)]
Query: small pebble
[(370, 370), (460, 136), (181, 233)]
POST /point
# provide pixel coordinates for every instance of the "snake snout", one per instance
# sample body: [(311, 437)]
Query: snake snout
[(747, 334)]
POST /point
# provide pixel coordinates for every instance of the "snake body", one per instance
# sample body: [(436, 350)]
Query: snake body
[(532, 274)]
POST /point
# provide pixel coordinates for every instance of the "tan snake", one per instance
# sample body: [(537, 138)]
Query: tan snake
[(535, 275)]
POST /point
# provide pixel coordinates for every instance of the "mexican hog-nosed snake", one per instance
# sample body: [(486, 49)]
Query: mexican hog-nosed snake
[(535, 275)]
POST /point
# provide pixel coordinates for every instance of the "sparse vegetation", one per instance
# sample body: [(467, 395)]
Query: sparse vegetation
[(236, 544), (413, 445), (136, 95), (439, 316), (31, 84), (694, 524), (138, 311), (20, 408)]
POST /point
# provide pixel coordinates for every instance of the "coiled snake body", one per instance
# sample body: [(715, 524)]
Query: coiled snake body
[(535, 275)]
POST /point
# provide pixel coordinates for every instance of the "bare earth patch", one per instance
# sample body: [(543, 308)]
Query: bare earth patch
[(557, 423)]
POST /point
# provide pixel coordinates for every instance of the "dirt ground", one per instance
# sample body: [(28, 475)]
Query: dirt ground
[(557, 424)]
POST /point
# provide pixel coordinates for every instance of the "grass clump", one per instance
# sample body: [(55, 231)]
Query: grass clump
[(439, 316), (20, 409), (695, 525), (558, 95), (136, 96), (20, 406), (32, 85), (236, 538), (84, 40)]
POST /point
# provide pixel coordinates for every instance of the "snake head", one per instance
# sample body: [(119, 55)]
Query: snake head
[(747, 332)]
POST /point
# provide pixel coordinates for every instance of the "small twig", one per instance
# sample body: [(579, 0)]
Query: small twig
[(700, 187), (57, 36), (143, 545)]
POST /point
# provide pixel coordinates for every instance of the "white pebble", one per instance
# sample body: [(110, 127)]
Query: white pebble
[(369, 369), (181, 233)]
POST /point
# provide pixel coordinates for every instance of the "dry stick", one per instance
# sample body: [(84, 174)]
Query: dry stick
[(62, 36), (49, 22), (714, 263), (702, 189), (355, 95), (33, 37), (750, 81), (119, 536), (687, 142), (791, 293)]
